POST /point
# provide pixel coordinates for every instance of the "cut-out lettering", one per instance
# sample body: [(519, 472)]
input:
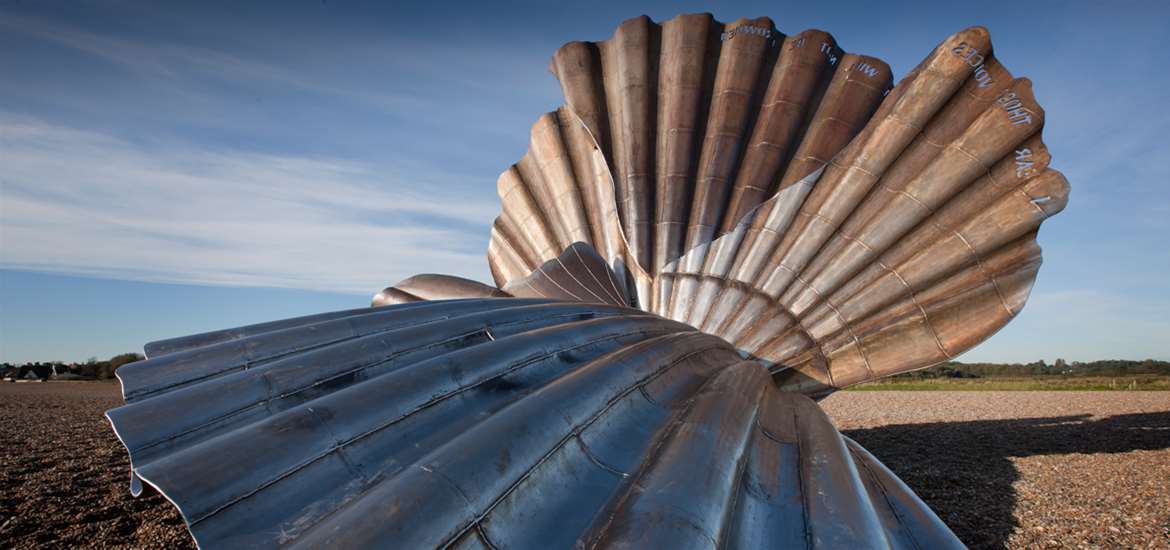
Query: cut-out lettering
[(973, 58), (1024, 165), (1017, 113), (864, 68), (748, 29), (829, 52)]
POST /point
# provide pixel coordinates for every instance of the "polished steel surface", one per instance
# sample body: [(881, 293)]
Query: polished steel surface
[(579, 274), (778, 193), (721, 223), (430, 286), (504, 423)]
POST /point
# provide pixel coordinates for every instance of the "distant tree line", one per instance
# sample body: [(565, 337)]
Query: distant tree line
[(1112, 367), (91, 369)]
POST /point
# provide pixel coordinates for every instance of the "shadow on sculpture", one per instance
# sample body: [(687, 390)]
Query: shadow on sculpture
[(773, 192), (963, 471)]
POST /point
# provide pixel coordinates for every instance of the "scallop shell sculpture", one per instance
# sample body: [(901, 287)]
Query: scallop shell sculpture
[(777, 193), (721, 225)]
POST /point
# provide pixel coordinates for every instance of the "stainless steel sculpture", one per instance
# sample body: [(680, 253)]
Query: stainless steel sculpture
[(721, 223)]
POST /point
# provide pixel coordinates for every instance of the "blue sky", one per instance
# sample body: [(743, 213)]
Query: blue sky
[(169, 169)]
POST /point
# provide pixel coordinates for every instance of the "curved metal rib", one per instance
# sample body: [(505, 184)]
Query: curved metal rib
[(504, 423)]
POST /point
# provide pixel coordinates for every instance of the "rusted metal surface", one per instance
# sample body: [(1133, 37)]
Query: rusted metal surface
[(503, 423)]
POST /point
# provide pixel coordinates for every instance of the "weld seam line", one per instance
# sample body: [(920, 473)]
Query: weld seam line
[(252, 362), (575, 431), (569, 272), (667, 430), (986, 272), (821, 345), (424, 405), (272, 396), (551, 279), (925, 317), (585, 266)]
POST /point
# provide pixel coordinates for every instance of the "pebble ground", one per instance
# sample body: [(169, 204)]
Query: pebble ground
[(1003, 469), (1022, 469)]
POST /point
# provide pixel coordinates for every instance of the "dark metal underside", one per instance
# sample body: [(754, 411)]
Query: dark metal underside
[(498, 423)]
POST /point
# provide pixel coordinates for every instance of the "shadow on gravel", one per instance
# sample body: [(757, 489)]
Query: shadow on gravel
[(961, 469)]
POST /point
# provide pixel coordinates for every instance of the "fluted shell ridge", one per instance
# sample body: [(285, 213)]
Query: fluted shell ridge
[(776, 192), (720, 223), (658, 122), (498, 423)]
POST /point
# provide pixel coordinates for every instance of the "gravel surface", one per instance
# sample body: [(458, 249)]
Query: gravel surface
[(1003, 469), (65, 478), (1026, 469)]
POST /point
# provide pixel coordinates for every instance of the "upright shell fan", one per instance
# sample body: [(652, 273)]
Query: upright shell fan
[(671, 134), (743, 183), (770, 205)]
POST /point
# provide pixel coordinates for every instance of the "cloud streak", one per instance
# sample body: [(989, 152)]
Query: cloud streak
[(176, 62), (82, 202), (343, 147)]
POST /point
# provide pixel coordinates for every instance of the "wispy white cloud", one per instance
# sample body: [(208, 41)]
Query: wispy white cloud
[(181, 62), (82, 202)]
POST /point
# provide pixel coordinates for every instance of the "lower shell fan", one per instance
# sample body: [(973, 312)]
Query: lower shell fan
[(721, 224), (498, 423)]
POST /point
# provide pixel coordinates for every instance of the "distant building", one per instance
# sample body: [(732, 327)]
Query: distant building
[(36, 371)]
